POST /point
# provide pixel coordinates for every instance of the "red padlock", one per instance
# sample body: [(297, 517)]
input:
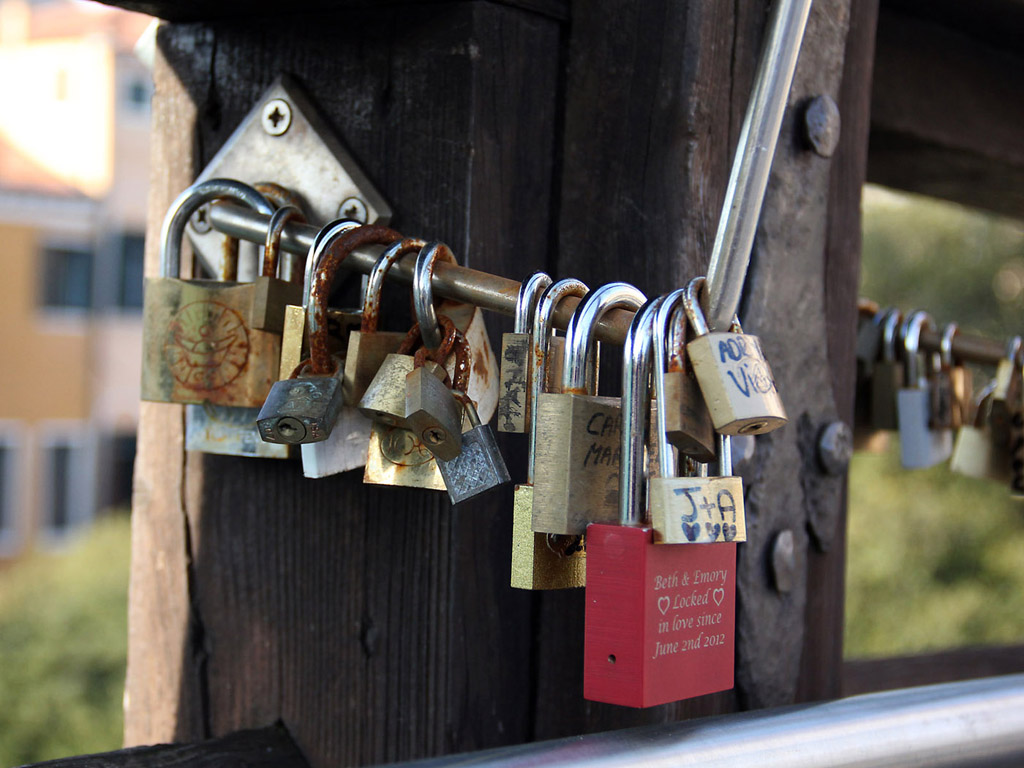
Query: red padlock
[(660, 618)]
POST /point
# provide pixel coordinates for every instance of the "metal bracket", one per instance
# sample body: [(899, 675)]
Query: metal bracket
[(284, 140)]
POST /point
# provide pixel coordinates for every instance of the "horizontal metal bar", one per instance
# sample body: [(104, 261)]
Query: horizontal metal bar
[(973, 723), (487, 291), (499, 294)]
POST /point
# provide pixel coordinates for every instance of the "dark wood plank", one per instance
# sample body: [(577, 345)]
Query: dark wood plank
[(869, 675), (378, 624), (269, 747), (946, 114), (822, 656)]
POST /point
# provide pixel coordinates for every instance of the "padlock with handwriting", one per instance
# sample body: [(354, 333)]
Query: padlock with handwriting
[(734, 376), (577, 450), (544, 560), (660, 619)]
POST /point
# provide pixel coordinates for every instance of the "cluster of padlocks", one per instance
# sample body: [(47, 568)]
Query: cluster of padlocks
[(632, 497), (929, 400)]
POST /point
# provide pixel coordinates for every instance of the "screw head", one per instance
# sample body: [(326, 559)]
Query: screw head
[(835, 447), (434, 436), (200, 221), (353, 208), (821, 125), (276, 117), (291, 430), (784, 561)]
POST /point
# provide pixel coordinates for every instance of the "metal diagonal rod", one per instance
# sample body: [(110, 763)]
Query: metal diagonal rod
[(744, 196), (499, 294), (973, 723)]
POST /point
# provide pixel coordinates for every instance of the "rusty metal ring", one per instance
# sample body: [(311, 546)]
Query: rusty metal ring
[(375, 282), (275, 228), (423, 294)]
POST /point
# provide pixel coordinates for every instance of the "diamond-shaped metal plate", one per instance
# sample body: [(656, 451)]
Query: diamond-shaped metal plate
[(283, 140)]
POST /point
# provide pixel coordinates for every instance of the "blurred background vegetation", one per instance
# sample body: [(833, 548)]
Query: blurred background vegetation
[(935, 559)]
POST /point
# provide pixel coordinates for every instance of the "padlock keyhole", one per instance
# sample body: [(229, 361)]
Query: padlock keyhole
[(611, 658)]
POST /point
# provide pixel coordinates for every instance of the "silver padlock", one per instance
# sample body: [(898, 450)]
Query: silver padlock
[(303, 409), (514, 384), (479, 466), (920, 446)]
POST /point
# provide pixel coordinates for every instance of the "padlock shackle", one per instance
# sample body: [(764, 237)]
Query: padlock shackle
[(375, 282), (526, 304), (636, 370), (890, 326), (543, 325), (946, 345), (468, 407), (916, 322), (327, 235), (423, 293), (188, 202), (272, 245), (695, 309), (580, 333), (668, 311)]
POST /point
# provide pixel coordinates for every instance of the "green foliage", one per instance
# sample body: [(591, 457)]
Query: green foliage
[(63, 644), (935, 560)]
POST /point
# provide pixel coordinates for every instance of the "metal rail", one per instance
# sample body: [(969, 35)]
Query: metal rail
[(973, 723), (499, 294), (730, 255)]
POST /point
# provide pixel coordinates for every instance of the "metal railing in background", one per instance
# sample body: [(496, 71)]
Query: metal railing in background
[(973, 723)]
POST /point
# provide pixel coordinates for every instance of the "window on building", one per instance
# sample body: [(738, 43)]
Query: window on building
[(67, 277), (6, 495), (58, 512), (131, 262), (66, 493), (122, 465)]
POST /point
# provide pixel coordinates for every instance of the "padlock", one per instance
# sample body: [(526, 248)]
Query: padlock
[(1006, 391), (920, 445), (368, 347), (468, 320), (577, 449), (305, 407), (961, 382), (293, 337), (431, 412), (689, 510), (679, 403), (514, 385), (544, 560), (734, 376), (478, 467), (660, 619), (979, 451), (198, 346), (228, 431), (866, 437), (271, 293), (887, 377)]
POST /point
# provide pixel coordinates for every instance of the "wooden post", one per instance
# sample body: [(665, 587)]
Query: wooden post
[(378, 624)]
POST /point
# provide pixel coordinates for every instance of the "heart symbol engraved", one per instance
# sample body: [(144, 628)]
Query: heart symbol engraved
[(663, 605), (692, 531), (729, 531), (713, 530), (718, 596)]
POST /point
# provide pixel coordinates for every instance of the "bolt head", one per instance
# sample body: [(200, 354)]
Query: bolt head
[(353, 208), (434, 436), (835, 447), (822, 124), (276, 117)]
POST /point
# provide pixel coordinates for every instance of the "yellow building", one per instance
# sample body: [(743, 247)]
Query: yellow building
[(73, 172)]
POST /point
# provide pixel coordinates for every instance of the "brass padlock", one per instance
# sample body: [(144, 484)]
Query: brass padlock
[(1006, 391), (368, 347), (577, 452), (734, 376), (294, 348), (961, 382), (887, 378), (271, 293), (478, 467), (198, 346), (679, 401), (543, 560), (979, 451), (514, 385), (431, 412)]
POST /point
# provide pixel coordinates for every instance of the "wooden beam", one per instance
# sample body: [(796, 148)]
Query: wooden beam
[(269, 747), (946, 113), (869, 675)]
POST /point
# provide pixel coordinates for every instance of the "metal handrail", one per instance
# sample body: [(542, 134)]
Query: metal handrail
[(973, 723)]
